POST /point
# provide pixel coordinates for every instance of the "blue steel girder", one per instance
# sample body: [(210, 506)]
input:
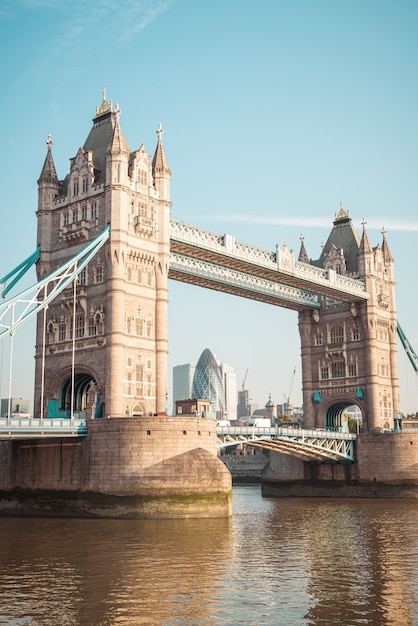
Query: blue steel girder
[(305, 447), (195, 244), (39, 295)]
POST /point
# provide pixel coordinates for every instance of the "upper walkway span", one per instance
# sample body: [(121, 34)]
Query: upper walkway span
[(221, 263)]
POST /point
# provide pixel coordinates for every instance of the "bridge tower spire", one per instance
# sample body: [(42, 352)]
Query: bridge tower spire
[(106, 337), (349, 349)]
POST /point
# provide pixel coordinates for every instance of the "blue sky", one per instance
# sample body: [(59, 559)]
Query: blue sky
[(273, 112)]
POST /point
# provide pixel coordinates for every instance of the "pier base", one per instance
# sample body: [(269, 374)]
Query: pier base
[(148, 467), (386, 466)]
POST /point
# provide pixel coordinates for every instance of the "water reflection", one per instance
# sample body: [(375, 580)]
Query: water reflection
[(290, 561)]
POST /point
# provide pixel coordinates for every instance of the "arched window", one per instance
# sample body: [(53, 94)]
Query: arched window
[(337, 334)]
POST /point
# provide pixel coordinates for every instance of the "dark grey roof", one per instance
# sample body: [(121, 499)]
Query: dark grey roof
[(98, 141), (343, 236)]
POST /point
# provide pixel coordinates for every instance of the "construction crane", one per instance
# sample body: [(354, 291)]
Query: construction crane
[(287, 397), (243, 380)]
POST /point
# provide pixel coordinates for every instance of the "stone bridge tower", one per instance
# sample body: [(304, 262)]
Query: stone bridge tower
[(349, 351), (102, 347)]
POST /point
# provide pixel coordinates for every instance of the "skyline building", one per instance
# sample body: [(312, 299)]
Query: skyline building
[(230, 391), (208, 379), (208, 383), (182, 382)]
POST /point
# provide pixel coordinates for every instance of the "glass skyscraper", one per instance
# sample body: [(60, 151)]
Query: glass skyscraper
[(207, 382)]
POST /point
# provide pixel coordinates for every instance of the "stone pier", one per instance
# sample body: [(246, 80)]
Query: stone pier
[(147, 467)]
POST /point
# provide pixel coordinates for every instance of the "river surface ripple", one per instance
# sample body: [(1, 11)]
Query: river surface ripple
[(276, 561)]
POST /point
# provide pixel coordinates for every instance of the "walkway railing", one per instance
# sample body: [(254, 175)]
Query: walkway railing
[(308, 445), (30, 428)]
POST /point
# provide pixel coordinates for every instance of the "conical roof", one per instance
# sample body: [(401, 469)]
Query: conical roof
[(102, 135), (343, 237), (387, 255), (303, 256), (159, 162), (49, 173)]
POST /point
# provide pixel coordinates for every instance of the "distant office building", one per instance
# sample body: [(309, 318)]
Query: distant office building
[(230, 389), (215, 382), (243, 408), (208, 383), (18, 406), (197, 407), (182, 382)]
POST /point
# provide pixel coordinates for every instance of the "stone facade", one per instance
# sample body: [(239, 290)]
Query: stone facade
[(386, 466), (145, 467), (107, 333), (349, 350)]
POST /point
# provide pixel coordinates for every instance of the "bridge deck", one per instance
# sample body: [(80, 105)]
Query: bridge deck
[(308, 445)]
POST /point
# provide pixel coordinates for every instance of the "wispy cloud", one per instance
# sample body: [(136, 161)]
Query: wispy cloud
[(313, 222), (81, 25)]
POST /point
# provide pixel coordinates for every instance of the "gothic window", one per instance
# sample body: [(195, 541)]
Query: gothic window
[(84, 213), (62, 332), (139, 379), (93, 209), (129, 274), (355, 334), (82, 277), (338, 269), (318, 339), (75, 215), (79, 326), (352, 369), (142, 177), (141, 323), (148, 364), (149, 328), (129, 384), (129, 325), (337, 369), (324, 372), (337, 334), (85, 185), (149, 279), (98, 276), (138, 326), (148, 386), (75, 188), (92, 327), (65, 219)]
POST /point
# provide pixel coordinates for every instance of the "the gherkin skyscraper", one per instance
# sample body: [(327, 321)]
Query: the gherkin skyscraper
[(207, 382)]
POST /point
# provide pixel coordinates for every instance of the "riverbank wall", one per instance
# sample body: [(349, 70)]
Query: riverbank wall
[(245, 468), (148, 467), (386, 466)]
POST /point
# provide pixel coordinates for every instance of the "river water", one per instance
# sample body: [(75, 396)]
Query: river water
[(276, 561)]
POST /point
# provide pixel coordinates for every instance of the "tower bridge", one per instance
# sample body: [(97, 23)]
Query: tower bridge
[(102, 344), (102, 318)]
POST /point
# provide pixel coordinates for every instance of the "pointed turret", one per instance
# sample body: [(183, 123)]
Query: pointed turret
[(303, 257), (48, 183), (365, 254), (160, 168), (118, 143), (49, 173), (387, 255)]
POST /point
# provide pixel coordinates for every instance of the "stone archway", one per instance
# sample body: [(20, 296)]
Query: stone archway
[(336, 418), (83, 402)]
